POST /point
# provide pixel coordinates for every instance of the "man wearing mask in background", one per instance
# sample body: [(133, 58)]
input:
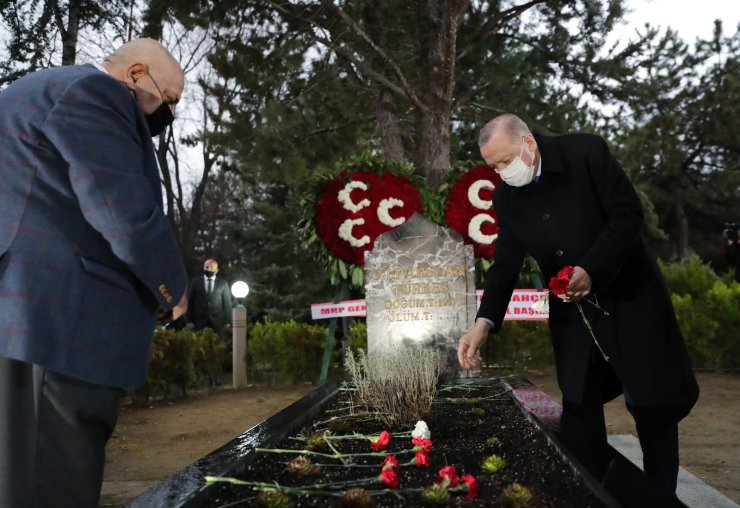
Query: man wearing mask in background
[(87, 259), (209, 300), (567, 202)]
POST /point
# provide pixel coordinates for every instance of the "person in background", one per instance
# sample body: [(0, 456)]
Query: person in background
[(210, 306), (209, 298), (567, 202), (87, 260)]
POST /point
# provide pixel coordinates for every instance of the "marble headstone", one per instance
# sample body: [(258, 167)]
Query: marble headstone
[(420, 290)]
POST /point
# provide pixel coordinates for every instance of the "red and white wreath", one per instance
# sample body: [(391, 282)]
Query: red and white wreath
[(469, 209), (353, 210)]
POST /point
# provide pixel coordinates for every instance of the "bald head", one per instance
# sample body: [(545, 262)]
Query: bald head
[(149, 71)]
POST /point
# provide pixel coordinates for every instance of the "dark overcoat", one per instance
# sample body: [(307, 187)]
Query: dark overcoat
[(583, 211), (209, 311)]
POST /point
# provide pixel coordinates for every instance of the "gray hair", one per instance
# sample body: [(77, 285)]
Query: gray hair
[(513, 125)]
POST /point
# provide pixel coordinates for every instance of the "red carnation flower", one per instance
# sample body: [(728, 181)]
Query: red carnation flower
[(422, 444), (559, 284), (449, 475), (422, 460), (472, 483), (389, 477), (382, 442), (389, 462)]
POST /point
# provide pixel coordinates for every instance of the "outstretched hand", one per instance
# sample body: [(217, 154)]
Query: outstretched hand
[(468, 352)]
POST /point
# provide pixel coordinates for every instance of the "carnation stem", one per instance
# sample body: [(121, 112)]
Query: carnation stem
[(590, 330)]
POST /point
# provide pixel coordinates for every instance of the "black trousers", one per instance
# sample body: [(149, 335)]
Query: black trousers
[(53, 431), (583, 429)]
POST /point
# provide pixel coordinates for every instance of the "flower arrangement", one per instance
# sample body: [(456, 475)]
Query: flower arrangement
[(347, 208), (358, 206), (469, 209)]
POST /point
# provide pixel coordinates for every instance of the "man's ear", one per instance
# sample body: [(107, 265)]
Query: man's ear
[(136, 71)]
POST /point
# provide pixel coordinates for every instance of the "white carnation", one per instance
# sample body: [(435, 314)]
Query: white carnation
[(474, 194), (541, 305), (421, 430), (345, 232), (474, 229), (344, 196), (385, 217)]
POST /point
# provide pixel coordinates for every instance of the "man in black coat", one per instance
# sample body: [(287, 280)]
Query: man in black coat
[(209, 300), (567, 202)]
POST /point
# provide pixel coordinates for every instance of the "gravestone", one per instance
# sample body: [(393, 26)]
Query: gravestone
[(420, 290)]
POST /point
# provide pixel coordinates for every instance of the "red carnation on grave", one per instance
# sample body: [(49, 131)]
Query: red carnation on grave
[(381, 442), (390, 462), (472, 484), (421, 460), (389, 478), (422, 444), (469, 210), (448, 474)]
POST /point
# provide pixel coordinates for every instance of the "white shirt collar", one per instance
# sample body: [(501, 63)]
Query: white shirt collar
[(99, 67)]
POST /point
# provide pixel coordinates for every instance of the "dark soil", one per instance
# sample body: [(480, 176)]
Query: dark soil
[(459, 432)]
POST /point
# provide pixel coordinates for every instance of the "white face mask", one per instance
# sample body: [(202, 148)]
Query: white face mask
[(518, 174)]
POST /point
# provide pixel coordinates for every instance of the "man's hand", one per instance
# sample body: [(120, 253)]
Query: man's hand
[(580, 285), (179, 309), (468, 352)]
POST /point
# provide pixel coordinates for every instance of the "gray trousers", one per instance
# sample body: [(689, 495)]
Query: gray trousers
[(53, 431)]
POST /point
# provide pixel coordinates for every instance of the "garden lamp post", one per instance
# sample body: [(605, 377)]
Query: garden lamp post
[(240, 290)]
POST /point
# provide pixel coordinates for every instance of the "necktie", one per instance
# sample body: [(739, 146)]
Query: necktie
[(209, 285)]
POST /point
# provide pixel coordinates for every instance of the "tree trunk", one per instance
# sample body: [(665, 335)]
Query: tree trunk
[(682, 225), (437, 53), (69, 34), (391, 142)]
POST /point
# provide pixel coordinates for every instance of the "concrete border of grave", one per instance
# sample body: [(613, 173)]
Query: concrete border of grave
[(624, 484)]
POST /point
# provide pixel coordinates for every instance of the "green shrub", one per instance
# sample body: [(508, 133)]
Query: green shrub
[(519, 345), (709, 324), (689, 277), (287, 351), (357, 338), (171, 361), (210, 353)]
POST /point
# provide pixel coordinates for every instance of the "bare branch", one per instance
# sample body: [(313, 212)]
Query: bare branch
[(494, 24)]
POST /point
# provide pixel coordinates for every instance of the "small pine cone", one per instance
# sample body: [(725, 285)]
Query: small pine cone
[(355, 498)]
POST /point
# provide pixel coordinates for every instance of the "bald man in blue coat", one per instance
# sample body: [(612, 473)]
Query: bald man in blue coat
[(87, 258)]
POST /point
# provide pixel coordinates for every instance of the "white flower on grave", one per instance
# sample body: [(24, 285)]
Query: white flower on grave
[(421, 430), (474, 229), (541, 305), (345, 232), (474, 194), (344, 196), (385, 217)]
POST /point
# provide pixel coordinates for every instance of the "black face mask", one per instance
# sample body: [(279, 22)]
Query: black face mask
[(159, 119), (208, 273)]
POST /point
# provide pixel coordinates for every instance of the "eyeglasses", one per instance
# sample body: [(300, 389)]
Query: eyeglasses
[(171, 102)]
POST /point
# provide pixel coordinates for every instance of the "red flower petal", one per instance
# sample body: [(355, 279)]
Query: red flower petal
[(449, 473), (382, 442), (389, 477), (472, 483), (422, 444), (389, 462)]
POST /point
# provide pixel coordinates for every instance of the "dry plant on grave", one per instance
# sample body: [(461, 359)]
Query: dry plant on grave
[(400, 384)]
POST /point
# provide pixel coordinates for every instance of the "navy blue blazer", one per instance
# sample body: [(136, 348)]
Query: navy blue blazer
[(86, 252)]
